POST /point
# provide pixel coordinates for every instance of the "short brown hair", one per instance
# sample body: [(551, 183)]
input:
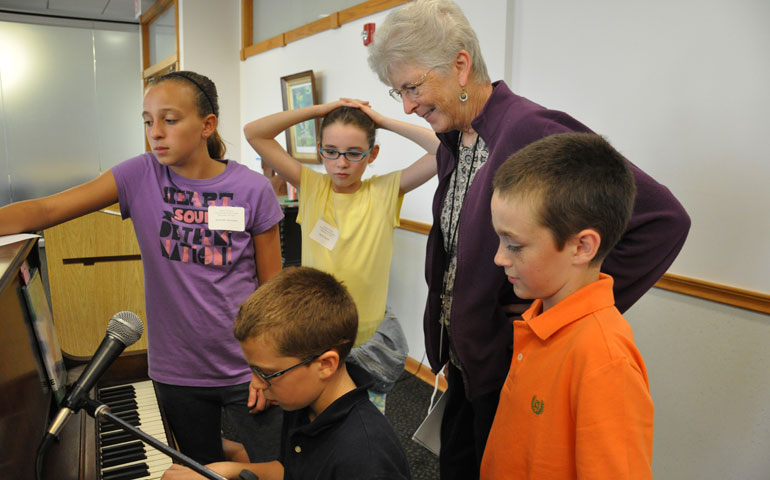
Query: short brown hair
[(304, 311), (578, 180)]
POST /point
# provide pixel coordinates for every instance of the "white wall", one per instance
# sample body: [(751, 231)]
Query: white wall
[(681, 89), (707, 365), (209, 44)]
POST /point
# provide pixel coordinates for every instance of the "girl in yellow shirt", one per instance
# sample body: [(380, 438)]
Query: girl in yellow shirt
[(348, 222)]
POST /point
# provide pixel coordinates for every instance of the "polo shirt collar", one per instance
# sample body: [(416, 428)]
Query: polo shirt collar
[(585, 301), (340, 408)]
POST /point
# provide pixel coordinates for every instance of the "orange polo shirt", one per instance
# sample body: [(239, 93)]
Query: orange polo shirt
[(576, 402)]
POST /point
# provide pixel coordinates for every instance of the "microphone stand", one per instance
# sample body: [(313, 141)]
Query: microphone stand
[(101, 411)]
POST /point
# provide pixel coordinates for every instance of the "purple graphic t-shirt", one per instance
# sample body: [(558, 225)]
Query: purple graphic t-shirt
[(195, 278)]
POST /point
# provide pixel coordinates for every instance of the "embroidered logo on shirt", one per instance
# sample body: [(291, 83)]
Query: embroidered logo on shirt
[(537, 405)]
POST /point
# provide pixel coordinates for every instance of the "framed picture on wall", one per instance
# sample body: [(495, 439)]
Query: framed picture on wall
[(298, 91)]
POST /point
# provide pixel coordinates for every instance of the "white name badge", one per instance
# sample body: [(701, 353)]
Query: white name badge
[(227, 218), (325, 234)]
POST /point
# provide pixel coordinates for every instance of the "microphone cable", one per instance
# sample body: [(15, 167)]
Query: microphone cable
[(41, 449)]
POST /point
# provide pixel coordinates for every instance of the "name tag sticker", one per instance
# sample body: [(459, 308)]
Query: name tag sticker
[(227, 218), (325, 234)]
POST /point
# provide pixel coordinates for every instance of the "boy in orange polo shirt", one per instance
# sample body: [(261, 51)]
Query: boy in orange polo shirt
[(576, 402)]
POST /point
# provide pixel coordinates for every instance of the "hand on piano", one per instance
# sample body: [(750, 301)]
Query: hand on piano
[(179, 472), (231, 470)]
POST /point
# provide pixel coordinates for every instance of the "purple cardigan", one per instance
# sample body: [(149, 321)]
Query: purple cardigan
[(481, 332)]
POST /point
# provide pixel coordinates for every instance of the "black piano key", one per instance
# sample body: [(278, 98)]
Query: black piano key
[(126, 458), (115, 392), (121, 458), (127, 473), (116, 450), (108, 427), (111, 427), (108, 399), (123, 407), (133, 421), (115, 438), (116, 389), (116, 400), (126, 416)]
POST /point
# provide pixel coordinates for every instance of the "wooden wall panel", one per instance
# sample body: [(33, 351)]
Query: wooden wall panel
[(94, 271)]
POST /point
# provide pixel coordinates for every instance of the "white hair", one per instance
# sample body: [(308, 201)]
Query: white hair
[(429, 33)]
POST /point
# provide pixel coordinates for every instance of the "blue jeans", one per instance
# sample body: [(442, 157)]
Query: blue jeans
[(195, 417)]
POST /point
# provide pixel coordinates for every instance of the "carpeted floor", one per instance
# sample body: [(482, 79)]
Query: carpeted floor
[(406, 407)]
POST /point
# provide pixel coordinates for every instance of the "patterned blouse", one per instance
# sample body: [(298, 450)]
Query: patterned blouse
[(471, 159)]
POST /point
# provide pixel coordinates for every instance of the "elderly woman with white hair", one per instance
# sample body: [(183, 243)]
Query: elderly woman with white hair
[(430, 56)]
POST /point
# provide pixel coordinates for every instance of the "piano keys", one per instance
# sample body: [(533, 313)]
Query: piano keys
[(122, 456)]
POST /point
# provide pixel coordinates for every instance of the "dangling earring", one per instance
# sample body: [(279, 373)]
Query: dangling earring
[(463, 95)]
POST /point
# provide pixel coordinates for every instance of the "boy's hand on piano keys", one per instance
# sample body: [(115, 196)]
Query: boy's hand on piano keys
[(179, 472)]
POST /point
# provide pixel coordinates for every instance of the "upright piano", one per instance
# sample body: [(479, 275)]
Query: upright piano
[(27, 404)]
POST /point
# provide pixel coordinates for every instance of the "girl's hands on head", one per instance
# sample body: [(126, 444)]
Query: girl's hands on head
[(352, 102), (328, 107), (342, 102), (424, 137), (365, 107)]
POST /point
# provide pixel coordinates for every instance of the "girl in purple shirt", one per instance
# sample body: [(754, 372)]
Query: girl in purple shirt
[(208, 233)]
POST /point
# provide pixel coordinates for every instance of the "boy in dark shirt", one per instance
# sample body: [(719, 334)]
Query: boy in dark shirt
[(295, 332)]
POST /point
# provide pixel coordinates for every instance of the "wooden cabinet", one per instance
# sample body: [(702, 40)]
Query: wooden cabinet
[(94, 271)]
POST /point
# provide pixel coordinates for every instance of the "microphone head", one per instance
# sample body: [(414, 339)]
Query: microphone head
[(126, 327)]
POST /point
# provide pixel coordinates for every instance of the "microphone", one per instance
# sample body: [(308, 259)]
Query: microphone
[(123, 329)]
